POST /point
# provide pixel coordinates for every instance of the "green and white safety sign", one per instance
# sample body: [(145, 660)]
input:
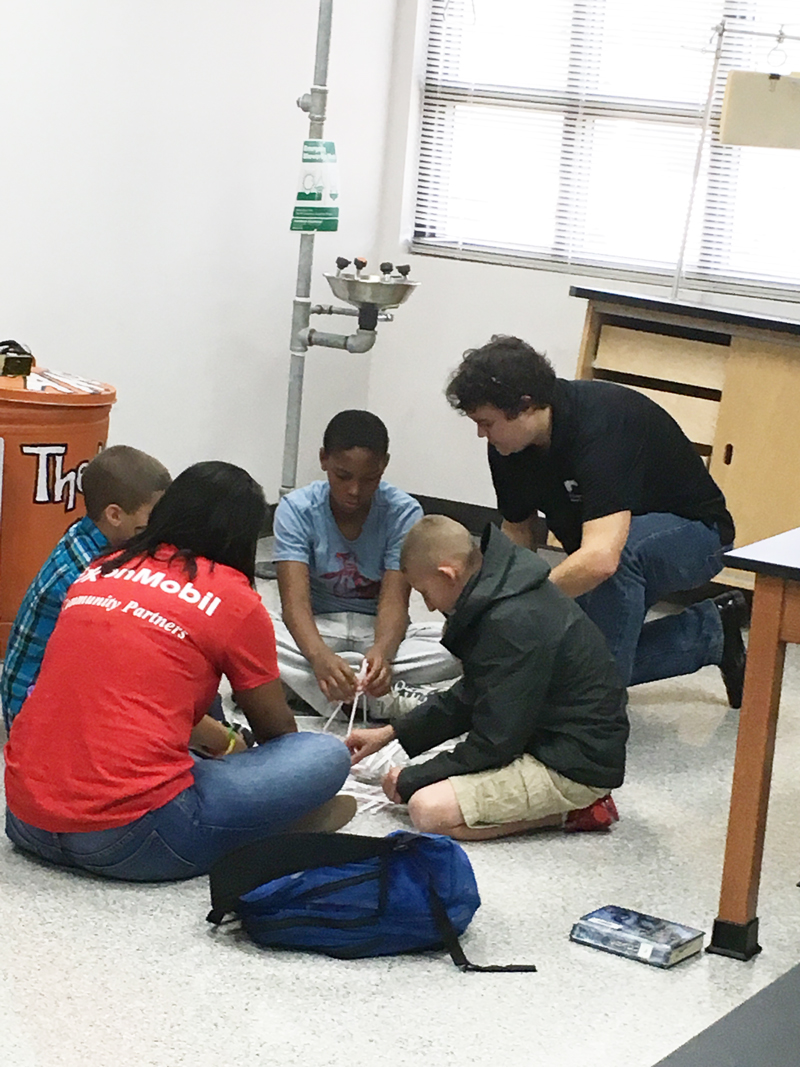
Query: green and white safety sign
[(318, 189)]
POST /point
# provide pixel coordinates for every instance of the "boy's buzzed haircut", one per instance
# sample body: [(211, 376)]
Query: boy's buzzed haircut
[(507, 373), (122, 475), (356, 429), (437, 539)]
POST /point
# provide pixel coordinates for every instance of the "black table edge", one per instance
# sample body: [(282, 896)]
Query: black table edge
[(775, 570), (698, 311)]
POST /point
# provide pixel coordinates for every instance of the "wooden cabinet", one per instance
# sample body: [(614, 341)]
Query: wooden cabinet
[(732, 382)]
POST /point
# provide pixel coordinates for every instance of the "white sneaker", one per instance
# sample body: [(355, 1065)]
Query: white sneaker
[(398, 701)]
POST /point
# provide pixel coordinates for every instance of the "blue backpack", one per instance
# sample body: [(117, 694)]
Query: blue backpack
[(351, 896)]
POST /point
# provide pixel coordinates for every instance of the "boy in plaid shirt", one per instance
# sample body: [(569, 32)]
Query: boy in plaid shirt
[(120, 487)]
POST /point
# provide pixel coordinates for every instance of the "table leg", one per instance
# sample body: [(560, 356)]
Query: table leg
[(736, 927)]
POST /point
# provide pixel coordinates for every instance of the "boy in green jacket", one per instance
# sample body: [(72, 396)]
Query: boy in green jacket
[(540, 701)]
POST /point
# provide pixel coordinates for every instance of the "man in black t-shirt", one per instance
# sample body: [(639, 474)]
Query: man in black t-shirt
[(626, 494)]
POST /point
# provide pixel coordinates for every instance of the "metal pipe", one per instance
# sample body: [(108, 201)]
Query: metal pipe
[(332, 309), (360, 341), (294, 399), (698, 159), (315, 103), (316, 111), (780, 36), (294, 403), (326, 340), (323, 42)]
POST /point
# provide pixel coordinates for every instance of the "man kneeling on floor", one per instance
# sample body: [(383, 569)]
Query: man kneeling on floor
[(540, 701)]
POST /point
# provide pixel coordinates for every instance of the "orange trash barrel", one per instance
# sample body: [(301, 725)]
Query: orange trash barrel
[(51, 425)]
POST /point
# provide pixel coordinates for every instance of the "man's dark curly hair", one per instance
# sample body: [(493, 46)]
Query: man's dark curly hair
[(507, 373)]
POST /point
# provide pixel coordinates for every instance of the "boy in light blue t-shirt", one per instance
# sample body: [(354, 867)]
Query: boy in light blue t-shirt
[(344, 598)]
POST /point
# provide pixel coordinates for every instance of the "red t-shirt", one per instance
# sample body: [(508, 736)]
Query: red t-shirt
[(133, 664)]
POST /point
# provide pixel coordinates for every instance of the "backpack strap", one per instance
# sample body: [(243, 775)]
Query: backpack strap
[(453, 945), (249, 866)]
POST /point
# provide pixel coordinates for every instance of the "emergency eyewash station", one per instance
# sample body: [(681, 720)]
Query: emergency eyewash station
[(316, 209)]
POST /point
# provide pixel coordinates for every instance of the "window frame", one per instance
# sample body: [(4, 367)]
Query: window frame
[(577, 107)]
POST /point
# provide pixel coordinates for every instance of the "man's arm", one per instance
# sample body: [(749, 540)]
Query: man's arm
[(521, 533), (602, 542), (390, 628), (267, 711), (334, 675)]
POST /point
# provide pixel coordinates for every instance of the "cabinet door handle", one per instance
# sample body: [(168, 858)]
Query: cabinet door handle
[(727, 455)]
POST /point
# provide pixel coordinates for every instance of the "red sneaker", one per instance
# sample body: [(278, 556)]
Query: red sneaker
[(598, 816)]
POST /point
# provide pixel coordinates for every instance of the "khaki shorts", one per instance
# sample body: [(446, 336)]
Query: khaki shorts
[(522, 791)]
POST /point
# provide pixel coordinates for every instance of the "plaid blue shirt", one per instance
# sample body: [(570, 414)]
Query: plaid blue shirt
[(39, 610)]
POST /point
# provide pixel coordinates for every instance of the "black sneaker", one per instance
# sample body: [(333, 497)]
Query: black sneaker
[(734, 614)]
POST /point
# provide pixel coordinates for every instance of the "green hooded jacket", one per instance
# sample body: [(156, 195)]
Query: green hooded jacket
[(538, 678)]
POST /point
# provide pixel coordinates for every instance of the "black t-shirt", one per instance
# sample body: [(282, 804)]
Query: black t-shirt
[(611, 449)]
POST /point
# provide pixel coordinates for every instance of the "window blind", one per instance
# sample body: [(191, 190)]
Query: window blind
[(566, 132)]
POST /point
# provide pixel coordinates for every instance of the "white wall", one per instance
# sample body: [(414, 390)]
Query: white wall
[(459, 305), (150, 156)]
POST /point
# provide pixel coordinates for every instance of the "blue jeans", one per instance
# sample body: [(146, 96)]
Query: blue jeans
[(233, 800), (663, 554)]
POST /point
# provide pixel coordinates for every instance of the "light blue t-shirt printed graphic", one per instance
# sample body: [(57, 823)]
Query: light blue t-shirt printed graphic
[(343, 575), (347, 582)]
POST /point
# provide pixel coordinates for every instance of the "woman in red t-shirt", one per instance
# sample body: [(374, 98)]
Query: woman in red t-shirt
[(98, 769)]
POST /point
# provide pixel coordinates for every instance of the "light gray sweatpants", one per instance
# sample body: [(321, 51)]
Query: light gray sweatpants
[(421, 658)]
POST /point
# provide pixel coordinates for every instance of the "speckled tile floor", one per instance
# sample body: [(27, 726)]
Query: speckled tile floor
[(96, 973)]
